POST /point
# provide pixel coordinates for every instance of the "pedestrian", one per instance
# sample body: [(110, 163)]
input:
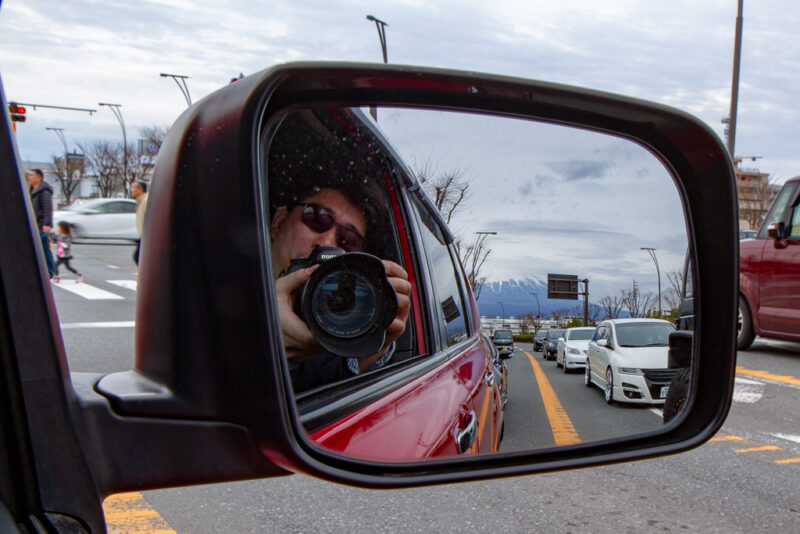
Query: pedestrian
[(63, 240), (139, 193), (42, 199)]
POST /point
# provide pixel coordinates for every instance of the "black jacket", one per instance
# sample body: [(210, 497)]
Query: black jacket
[(42, 199)]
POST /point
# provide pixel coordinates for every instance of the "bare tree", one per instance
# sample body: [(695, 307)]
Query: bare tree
[(69, 171), (104, 160), (637, 303), (610, 307), (447, 189), (755, 199), (672, 296), (562, 317), (473, 255)]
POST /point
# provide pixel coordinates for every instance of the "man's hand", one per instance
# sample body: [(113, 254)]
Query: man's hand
[(398, 278), (298, 342)]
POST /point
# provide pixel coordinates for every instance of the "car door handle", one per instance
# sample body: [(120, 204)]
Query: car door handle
[(465, 438)]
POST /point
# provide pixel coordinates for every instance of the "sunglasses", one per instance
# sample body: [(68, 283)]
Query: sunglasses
[(321, 219)]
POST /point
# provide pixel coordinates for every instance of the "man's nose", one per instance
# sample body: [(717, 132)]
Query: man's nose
[(326, 238)]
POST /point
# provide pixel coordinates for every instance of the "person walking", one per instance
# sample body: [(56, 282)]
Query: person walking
[(139, 194), (42, 199), (63, 240)]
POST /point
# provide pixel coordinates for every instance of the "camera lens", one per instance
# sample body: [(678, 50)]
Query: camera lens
[(344, 304)]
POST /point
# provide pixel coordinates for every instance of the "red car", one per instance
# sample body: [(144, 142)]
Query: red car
[(769, 273)]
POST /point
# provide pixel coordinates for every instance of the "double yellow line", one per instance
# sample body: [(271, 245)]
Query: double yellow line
[(563, 431)]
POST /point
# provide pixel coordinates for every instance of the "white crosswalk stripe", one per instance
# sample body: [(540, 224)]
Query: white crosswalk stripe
[(90, 292), (127, 284)]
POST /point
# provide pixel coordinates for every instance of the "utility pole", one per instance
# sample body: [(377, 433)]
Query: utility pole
[(381, 26), (737, 53), (585, 294), (180, 80), (652, 253)]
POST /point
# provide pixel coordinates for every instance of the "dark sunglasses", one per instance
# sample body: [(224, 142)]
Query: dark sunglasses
[(321, 219)]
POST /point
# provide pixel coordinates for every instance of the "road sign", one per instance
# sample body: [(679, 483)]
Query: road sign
[(562, 286)]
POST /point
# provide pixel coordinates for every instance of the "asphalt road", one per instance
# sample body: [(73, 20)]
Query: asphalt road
[(745, 480)]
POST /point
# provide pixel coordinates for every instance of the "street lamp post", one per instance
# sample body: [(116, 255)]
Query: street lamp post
[(381, 26), (115, 109), (180, 80), (652, 253), (538, 310), (504, 311)]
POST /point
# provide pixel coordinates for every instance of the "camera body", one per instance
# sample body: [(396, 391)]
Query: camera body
[(347, 302)]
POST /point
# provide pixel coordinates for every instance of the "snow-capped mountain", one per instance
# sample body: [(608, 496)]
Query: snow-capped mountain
[(515, 294)]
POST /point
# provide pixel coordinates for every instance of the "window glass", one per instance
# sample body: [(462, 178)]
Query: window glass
[(777, 210), (447, 292), (794, 223)]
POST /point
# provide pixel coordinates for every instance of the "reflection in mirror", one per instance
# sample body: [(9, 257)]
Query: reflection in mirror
[(411, 260)]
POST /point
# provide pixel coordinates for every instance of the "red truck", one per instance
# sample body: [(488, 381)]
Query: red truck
[(769, 273)]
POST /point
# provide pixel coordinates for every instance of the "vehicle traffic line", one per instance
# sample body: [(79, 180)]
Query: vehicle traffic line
[(758, 449), (481, 421), (560, 423), (786, 379), (87, 291), (788, 461), (130, 513), (725, 437)]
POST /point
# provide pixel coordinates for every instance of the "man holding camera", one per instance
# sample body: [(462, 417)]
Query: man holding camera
[(327, 217)]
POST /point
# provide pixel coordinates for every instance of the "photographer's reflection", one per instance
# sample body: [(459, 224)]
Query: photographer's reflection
[(328, 217)]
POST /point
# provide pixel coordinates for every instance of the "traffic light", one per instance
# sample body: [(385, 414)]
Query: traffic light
[(17, 112)]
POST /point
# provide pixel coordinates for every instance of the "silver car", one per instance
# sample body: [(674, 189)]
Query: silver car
[(571, 350), (102, 218)]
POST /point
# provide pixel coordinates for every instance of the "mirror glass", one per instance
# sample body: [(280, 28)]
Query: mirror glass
[(411, 257)]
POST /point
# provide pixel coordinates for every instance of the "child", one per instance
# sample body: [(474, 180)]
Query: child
[(63, 251)]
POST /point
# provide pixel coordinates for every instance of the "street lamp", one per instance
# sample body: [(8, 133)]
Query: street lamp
[(652, 253), (504, 311), (180, 80), (538, 310), (118, 114), (381, 26)]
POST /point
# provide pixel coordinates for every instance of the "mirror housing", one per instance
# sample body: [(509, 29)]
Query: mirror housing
[(208, 347), (776, 230)]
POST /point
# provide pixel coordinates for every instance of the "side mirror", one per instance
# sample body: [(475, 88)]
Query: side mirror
[(506, 355), (776, 230), (602, 343)]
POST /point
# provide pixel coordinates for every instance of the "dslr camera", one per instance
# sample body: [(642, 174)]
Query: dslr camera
[(347, 302)]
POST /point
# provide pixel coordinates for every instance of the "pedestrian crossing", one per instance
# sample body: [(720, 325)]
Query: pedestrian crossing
[(91, 292)]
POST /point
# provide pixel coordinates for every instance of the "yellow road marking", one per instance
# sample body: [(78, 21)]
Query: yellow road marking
[(563, 431), (726, 437), (759, 449), (129, 513), (481, 420), (788, 461), (786, 379)]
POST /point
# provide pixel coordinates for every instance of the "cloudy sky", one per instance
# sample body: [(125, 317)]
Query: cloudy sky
[(678, 53)]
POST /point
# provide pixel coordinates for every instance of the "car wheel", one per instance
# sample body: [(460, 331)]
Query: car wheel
[(744, 326), (587, 375), (608, 390), (544, 354), (677, 395), (558, 364)]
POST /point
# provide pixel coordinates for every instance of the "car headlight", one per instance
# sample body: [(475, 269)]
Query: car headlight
[(573, 351), (629, 371)]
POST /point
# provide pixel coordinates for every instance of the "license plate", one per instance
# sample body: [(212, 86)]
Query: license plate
[(664, 390)]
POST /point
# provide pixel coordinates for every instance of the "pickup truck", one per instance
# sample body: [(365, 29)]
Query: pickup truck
[(769, 273)]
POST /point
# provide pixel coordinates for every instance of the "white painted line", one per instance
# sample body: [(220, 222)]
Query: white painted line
[(747, 391), (658, 412), (109, 324), (113, 267), (127, 284), (787, 437), (85, 290)]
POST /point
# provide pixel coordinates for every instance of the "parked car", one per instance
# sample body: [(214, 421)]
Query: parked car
[(627, 358), (102, 218), (538, 340), (571, 349), (210, 397), (500, 377), (504, 341), (550, 343), (747, 234), (769, 273)]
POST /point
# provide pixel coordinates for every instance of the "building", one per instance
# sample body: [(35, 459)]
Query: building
[(755, 195)]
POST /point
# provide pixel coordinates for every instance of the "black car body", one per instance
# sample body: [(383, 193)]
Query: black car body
[(550, 343), (538, 340)]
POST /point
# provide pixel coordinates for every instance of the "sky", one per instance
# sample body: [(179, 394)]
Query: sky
[(678, 53)]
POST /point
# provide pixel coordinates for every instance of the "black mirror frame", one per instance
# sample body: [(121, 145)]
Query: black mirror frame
[(703, 173)]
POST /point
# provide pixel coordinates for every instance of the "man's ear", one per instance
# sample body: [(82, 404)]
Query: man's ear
[(278, 220)]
